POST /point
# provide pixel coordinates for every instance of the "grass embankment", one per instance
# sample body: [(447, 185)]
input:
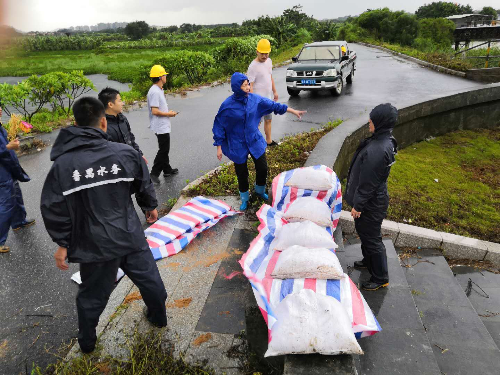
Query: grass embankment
[(445, 60), (449, 184), (291, 153)]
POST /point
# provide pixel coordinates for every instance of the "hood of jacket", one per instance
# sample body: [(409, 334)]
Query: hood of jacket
[(237, 80), (384, 118), (75, 137)]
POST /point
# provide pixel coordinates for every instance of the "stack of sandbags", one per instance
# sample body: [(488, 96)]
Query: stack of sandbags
[(309, 304)]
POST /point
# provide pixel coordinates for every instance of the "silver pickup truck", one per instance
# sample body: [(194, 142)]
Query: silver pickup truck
[(321, 66)]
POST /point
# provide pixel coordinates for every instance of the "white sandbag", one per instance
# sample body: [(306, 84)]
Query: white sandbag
[(298, 262), (309, 208), (309, 322), (312, 179), (305, 234)]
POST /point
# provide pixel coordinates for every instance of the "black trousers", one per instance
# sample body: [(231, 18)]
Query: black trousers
[(162, 162), (368, 226), (260, 170), (98, 280)]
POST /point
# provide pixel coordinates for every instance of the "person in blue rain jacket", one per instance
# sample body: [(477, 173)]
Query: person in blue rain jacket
[(12, 211), (237, 135)]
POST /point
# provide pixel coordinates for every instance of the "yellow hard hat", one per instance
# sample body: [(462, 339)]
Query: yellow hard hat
[(157, 71), (343, 49), (264, 46)]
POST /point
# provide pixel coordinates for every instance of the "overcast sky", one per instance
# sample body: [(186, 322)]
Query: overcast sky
[(47, 15)]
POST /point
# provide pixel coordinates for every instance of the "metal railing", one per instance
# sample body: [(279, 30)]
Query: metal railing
[(487, 57)]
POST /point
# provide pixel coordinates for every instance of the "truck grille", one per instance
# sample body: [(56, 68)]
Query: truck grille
[(308, 73)]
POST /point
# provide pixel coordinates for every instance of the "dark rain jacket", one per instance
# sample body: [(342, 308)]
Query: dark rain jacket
[(236, 126), (10, 171), (86, 200), (370, 166), (119, 131)]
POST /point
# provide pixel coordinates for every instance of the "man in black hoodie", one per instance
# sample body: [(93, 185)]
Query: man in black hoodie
[(118, 126), (88, 211), (366, 192)]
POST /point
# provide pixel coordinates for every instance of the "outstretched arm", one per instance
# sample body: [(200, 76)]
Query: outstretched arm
[(296, 112)]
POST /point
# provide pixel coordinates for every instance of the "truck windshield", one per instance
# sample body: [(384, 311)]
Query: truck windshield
[(320, 53)]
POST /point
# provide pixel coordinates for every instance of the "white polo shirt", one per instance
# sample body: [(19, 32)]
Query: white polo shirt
[(260, 75), (156, 98)]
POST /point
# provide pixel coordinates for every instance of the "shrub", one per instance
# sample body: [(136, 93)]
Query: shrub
[(302, 36), (438, 30), (59, 43), (194, 66), (351, 33), (67, 87), (326, 30), (237, 53), (57, 88)]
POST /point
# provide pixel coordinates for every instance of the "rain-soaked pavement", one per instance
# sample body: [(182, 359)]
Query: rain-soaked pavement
[(37, 310)]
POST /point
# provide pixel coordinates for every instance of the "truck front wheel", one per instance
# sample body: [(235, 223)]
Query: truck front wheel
[(337, 90), (292, 92)]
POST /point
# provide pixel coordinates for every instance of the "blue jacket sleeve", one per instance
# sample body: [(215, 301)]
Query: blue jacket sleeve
[(218, 130), (267, 106), (9, 161)]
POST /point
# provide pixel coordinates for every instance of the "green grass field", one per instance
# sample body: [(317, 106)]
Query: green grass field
[(465, 200), (119, 65)]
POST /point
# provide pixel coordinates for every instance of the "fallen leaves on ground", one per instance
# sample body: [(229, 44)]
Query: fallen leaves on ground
[(202, 338)]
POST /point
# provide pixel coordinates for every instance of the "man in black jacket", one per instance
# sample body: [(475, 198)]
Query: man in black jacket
[(88, 211), (118, 126), (366, 192)]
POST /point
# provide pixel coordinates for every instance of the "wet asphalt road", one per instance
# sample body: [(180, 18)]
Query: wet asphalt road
[(37, 308)]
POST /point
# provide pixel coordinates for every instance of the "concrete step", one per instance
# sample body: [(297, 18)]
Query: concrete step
[(402, 347), (459, 339), (483, 291)]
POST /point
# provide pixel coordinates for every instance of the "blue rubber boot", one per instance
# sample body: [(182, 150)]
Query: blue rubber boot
[(261, 192), (245, 197)]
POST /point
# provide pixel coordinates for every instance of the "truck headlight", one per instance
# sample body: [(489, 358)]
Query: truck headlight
[(291, 73), (330, 73)]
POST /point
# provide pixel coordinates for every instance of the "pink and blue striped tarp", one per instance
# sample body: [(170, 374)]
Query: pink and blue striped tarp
[(259, 261), (284, 195), (173, 232)]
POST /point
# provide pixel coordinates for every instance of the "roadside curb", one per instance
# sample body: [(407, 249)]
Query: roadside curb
[(438, 68), (452, 245), (199, 180)]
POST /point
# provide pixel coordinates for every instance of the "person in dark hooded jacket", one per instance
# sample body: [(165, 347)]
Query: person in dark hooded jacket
[(12, 211), (366, 192), (88, 211), (236, 133), (118, 126)]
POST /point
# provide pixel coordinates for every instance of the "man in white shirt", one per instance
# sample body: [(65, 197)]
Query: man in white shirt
[(262, 83), (159, 123)]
